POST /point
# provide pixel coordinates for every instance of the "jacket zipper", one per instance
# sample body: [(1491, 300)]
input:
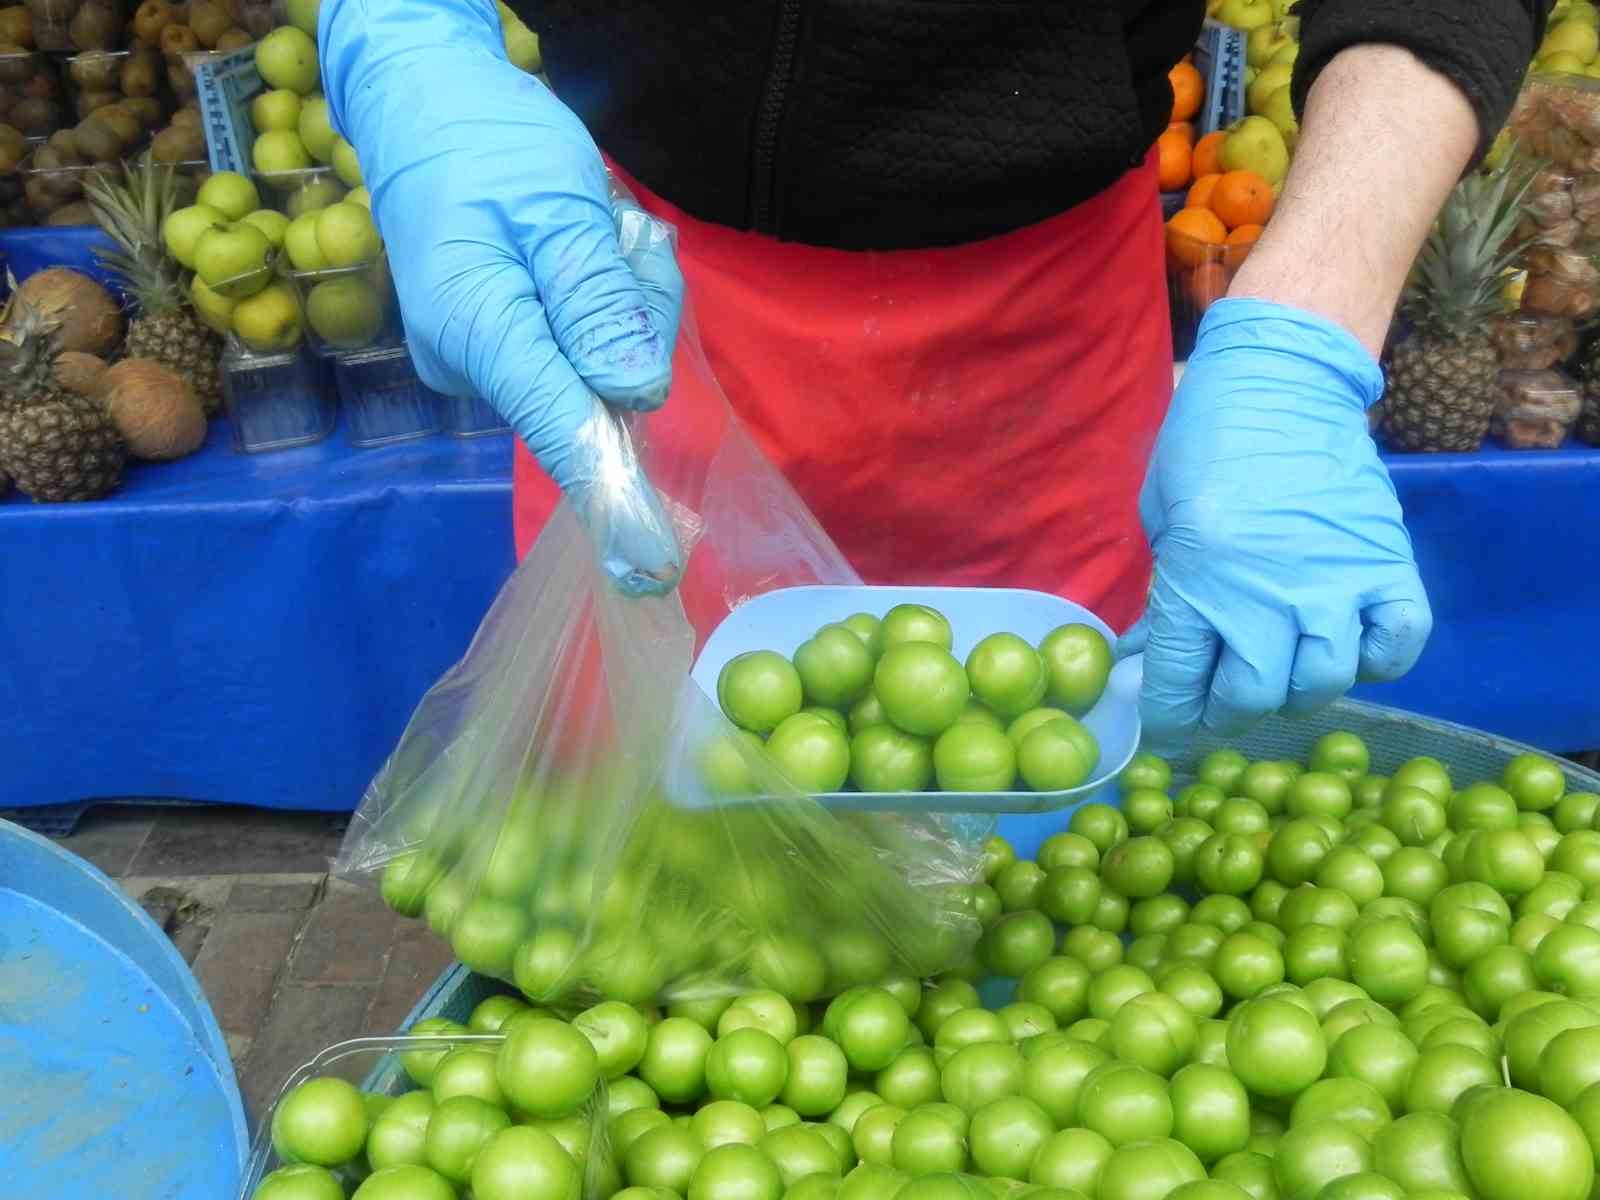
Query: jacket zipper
[(764, 164)]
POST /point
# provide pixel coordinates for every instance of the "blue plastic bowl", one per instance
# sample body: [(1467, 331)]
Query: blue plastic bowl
[(114, 1079), (782, 619)]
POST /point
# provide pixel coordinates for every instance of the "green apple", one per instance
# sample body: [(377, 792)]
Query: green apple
[(1581, 10), (522, 48), (300, 243), (287, 58), (215, 310), (278, 151), (271, 223), (1268, 80), (345, 312), (230, 193), (346, 235), (1289, 54), (1245, 14), (1561, 64), (1577, 38), (269, 321), (314, 194), (302, 14), (345, 164), (315, 130), (183, 227), (233, 259), (360, 196), (1279, 109), (275, 109), (1254, 144), (1265, 41)]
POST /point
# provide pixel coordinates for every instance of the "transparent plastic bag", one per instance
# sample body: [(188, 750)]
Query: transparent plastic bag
[(1536, 409), (577, 817), (1524, 341), (353, 1143)]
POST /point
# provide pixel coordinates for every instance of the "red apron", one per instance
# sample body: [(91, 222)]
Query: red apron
[(978, 415)]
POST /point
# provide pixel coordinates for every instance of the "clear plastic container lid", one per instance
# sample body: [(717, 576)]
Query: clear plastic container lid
[(1536, 409)]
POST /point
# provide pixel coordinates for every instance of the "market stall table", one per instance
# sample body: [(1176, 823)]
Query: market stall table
[(258, 629)]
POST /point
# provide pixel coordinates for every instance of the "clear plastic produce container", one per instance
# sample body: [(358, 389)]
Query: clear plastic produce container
[(381, 1068), (1531, 342), (277, 401), (1536, 410), (383, 399), (54, 195), (349, 308), (1198, 275), (471, 417), (302, 190), (33, 100)]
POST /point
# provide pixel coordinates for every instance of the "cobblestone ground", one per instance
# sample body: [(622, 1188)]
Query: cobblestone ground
[(290, 959)]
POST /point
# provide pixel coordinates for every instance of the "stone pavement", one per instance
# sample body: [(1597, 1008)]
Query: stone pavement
[(290, 959)]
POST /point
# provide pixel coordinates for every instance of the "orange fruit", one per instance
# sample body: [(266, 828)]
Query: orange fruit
[(1200, 193), (1184, 127), (1175, 155), (1239, 243), (1188, 90), (1193, 235), (1206, 285), (1242, 198), (1208, 154)]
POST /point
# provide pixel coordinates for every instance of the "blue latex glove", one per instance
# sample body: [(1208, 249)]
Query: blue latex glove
[(1283, 572), (503, 237)]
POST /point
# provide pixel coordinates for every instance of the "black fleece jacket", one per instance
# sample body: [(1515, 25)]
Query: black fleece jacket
[(887, 124)]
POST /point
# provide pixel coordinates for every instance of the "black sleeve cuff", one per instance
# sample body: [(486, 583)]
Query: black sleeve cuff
[(1482, 46)]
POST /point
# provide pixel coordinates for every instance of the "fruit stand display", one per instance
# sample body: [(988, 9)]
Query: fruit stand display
[(1357, 973)]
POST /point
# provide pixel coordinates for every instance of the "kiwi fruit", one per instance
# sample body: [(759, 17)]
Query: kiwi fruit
[(141, 73), (233, 39), (36, 196), (12, 148), (146, 108), (181, 80), (99, 140), (94, 27), (36, 118), (122, 122), (178, 39), (16, 26), (96, 71), (150, 18), (89, 101), (42, 85), (76, 213), (209, 20), (65, 143), (189, 115), (177, 144)]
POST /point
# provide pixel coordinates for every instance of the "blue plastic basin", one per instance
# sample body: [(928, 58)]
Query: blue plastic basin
[(780, 620), (114, 1079)]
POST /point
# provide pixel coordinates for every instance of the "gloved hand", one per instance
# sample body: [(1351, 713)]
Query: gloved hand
[(1283, 572), (502, 234)]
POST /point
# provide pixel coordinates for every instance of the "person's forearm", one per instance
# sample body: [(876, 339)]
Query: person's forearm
[(1384, 140)]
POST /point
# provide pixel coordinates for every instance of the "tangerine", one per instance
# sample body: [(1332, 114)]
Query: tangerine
[(1239, 244), (1200, 193), (1208, 154), (1242, 198), (1175, 156), (1192, 236), (1188, 90)]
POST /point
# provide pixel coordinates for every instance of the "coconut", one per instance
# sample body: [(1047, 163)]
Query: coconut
[(154, 409), (78, 372), (90, 318)]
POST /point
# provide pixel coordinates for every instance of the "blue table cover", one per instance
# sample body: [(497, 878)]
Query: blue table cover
[(257, 629)]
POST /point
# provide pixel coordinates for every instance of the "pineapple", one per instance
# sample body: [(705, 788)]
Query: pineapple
[(1443, 373), (166, 329), (53, 445)]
